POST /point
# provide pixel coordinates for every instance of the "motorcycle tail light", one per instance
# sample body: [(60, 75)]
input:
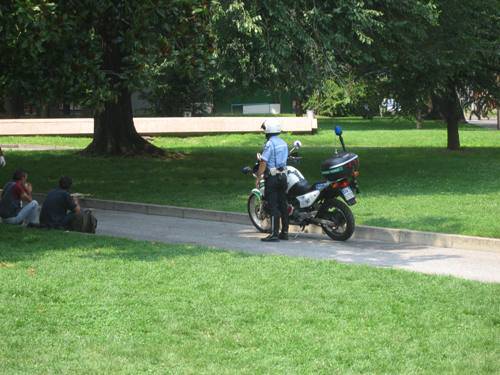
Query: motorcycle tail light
[(344, 184), (340, 185)]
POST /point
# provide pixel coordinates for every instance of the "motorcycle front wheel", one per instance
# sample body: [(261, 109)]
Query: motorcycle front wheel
[(259, 217), (342, 219)]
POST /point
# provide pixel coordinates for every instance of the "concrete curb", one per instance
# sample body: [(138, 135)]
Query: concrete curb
[(161, 210), (362, 232)]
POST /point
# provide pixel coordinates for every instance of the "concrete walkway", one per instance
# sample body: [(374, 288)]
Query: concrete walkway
[(32, 147), (468, 264), (487, 124)]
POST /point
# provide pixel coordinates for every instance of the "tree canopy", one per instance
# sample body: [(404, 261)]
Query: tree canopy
[(97, 53), (440, 60)]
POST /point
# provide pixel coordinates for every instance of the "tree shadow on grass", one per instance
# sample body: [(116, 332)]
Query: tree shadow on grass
[(152, 251), (216, 172), (21, 244), (33, 245)]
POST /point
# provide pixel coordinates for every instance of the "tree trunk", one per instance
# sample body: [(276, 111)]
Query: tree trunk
[(451, 112), (45, 110), (453, 135), (460, 112), (14, 106), (66, 109), (498, 117), (114, 130), (418, 118), (299, 109), (433, 113)]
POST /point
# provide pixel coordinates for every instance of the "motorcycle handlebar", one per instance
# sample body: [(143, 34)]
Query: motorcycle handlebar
[(294, 159), (246, 170)]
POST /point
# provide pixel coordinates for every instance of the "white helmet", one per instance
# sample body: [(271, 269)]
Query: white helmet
[(272, 126)]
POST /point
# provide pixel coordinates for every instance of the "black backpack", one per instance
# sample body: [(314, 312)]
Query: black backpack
[(86, 222), (8, 206)]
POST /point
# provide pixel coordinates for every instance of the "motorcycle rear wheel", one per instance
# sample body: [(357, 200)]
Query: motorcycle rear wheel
[(339, 213), (259, 217)]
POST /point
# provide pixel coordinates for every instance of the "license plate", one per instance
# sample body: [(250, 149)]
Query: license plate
[(347, 193)]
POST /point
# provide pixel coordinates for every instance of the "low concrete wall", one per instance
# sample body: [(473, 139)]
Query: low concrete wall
[(155, 125)]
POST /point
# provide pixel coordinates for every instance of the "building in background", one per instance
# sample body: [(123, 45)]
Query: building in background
[(250, 102)]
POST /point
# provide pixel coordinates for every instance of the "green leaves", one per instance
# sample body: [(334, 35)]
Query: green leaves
[(425, 45), (337, 99), (61, 50)]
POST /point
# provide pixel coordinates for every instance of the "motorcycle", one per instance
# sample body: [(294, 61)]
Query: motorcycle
[(324, 203)]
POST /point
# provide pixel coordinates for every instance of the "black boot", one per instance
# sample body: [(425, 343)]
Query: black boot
[(271, 238), (284, 230), (275, 229), (283, 236)]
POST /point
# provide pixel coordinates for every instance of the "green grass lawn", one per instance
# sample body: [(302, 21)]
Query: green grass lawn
[(72, 303), (408, 179)]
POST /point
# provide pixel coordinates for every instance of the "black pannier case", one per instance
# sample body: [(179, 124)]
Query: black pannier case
[(340, 166)]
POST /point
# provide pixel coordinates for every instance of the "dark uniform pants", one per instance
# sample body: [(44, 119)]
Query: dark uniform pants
[(276, 197)]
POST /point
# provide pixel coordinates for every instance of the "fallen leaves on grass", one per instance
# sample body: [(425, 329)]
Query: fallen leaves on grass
[(31, 271)]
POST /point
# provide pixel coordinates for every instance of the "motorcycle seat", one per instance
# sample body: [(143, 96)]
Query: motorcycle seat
[(300, 188)]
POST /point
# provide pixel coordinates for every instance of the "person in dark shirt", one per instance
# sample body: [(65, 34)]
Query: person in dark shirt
[(17, 205), (2, 159), (60, 209)]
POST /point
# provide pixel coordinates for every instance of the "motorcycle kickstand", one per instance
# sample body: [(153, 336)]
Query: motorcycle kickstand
[(302, 229)]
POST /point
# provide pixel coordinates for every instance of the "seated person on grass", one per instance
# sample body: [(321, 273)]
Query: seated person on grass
[(60, 210), (2, 159), (17, 205)]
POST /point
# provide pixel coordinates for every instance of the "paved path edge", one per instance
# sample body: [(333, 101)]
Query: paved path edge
[(362, 232)]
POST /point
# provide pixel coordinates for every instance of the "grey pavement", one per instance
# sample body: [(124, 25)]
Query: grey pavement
[(468, 264), (29, 147), (487, 124)]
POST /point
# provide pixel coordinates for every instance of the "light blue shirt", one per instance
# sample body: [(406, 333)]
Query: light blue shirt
[(275, 152)]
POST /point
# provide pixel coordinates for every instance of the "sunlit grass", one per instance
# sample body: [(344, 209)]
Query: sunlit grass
[(73, 303)]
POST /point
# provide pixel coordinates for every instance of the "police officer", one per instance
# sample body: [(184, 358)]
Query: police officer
[(272, 167)]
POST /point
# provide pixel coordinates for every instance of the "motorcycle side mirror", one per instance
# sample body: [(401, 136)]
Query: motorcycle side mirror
[(338, 130), (297, 144), (246, 170)]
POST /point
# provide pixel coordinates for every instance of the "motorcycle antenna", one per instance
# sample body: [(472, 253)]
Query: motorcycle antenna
[(338, 131), (336, 151)]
